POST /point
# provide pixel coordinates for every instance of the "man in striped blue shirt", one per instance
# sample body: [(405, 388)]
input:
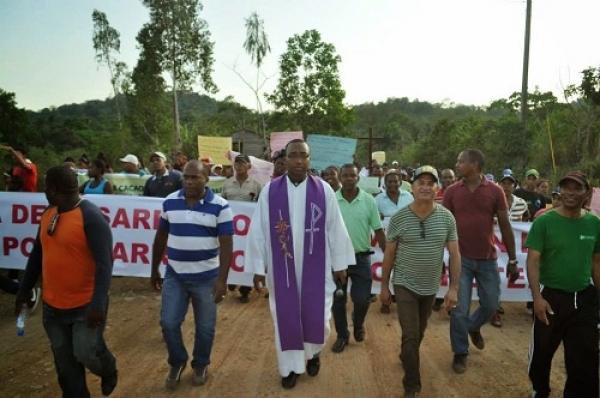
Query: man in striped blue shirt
[(195, 230)]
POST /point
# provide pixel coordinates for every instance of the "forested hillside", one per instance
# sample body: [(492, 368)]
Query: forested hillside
[(409, 131)]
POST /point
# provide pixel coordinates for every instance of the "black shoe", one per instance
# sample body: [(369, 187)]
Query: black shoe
[(109, 383), (174, 376), (459, 363), (437, 305), (477, 340), (290, 380), (339, 345), (313, 366), (244, 298), (200, 375), (359, 333)]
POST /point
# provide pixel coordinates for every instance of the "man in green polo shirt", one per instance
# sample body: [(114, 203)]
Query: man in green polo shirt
[(563, 256), (361, 216)]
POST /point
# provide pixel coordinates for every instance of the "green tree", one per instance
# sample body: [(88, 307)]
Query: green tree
[(15, 128), (182, 46), (107, 42), (309, 91), (257, 46), (149, 110)]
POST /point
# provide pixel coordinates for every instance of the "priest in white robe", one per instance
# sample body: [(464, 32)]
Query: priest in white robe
[(299, 244)]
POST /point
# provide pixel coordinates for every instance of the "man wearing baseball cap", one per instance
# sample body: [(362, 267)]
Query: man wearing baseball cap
[(245, 188), (563, 256), (416, 237), (163, 181), (131, 164), (535, 200)]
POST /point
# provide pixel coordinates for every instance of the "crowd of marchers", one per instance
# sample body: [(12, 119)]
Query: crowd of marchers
[(310, 235)]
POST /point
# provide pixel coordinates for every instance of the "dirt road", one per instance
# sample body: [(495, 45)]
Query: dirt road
[(244, 363)]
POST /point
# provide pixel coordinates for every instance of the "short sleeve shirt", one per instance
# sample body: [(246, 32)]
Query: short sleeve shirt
[(420, 247)]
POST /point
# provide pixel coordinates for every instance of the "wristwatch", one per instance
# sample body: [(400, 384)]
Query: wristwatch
[(513, 262)]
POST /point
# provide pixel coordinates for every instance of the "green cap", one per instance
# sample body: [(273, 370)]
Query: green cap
[(532, 172)]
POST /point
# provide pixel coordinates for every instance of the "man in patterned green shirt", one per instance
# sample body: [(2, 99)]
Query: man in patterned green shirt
[(415, 242)]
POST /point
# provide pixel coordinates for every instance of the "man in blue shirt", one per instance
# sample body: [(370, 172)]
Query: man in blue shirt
[(163, 181), (196, 230)]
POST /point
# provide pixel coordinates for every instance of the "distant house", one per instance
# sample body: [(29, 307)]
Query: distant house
[(249, 143)]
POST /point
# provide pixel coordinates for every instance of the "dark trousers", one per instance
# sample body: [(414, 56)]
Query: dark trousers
[(575, 324), (76, 347), (414, 311), (360, 292)]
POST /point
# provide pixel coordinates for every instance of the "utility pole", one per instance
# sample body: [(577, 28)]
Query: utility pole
[(524, 82)]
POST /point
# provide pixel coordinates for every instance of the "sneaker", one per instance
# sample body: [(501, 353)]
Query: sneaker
[(36, 296), (459, 363), (477, 340), (200, 375), (109, 383), (174, 376), (496, 320)]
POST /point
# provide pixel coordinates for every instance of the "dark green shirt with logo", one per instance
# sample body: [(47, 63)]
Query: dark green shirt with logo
[(567, 247)]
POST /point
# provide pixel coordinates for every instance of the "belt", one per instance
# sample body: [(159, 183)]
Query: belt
[(367, 253)]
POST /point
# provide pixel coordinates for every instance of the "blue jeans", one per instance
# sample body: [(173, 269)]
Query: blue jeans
[(176, 296), (360, 292), (75, 347), (485, 273)]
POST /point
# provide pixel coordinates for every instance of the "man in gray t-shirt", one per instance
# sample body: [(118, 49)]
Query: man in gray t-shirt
[(416, 237)]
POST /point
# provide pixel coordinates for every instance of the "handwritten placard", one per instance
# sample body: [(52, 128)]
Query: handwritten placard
[(369, 184), (214, 147), (278, 141), (327, 150)]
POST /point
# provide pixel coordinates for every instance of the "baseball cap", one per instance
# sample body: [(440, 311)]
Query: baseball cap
[(395, 162), (159, 154), (507, 171), (426, 170), (532, 172), (216, 166), (556, 191), (505, 176), (489, 177), (576, 176), (130, 159), (242, 158)]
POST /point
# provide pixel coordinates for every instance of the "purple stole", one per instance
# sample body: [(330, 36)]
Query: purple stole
[(299, 319)]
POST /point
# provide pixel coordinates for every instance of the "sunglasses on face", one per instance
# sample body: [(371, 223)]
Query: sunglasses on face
[(53, 223)]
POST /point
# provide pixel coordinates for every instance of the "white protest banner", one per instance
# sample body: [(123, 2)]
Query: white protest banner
[(278, 141), (134, 221), (327, 150), (133, 184)]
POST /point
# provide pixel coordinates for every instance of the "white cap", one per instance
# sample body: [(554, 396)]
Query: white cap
[(130, 159), (216, 166), (159, 154)]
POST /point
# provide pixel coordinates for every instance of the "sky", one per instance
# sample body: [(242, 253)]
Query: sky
[(440, 51)]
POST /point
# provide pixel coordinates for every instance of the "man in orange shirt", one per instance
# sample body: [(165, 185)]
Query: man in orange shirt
[(23, 167), (73, 234)]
